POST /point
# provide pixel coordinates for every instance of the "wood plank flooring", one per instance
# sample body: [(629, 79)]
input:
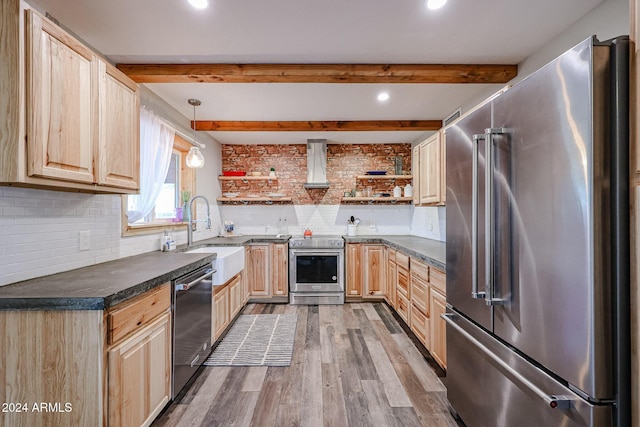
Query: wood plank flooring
[(353, 365)]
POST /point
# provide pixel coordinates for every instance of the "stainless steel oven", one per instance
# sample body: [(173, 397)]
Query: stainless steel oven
[(316, 270)]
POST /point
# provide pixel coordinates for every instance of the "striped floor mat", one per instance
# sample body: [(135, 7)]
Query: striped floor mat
[(257, 340)]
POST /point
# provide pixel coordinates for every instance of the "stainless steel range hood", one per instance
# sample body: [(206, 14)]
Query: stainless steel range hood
[(316, 164)]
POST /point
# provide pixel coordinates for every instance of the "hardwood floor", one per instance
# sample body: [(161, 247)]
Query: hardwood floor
[(353, 365)]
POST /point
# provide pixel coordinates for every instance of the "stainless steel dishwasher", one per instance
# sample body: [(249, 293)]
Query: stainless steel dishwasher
[(191, 305)]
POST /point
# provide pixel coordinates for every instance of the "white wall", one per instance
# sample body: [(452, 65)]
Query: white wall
[(321, 219), (607, 20)]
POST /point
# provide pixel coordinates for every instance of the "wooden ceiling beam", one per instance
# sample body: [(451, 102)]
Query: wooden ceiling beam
[(319, 73), (306, 126)]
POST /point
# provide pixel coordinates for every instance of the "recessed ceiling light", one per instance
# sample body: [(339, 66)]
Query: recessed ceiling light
[(435, 4), (383, 96), (199, 4)]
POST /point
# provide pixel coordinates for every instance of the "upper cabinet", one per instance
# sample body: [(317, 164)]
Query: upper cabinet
[(118, 147), (72, 120), (61, 103), (430, 163)]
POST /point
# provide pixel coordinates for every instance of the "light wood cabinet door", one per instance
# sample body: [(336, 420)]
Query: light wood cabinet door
[(221, 310), (430, 170), (139, 375), (258, 273), (354, 269), (62, 103), (236, 297), (392, 272), (118, 163), (438, 345), (280, 269), (374, 271)]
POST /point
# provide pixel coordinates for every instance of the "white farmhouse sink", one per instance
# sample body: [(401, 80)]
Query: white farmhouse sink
[(229, 261)]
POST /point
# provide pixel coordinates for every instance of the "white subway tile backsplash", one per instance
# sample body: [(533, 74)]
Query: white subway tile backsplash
[(40, 228)]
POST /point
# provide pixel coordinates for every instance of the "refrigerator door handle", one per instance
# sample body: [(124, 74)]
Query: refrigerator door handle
[(489, 216), (553, 401), (474, 220)]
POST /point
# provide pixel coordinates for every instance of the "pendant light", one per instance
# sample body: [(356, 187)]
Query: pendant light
[(194, 159)]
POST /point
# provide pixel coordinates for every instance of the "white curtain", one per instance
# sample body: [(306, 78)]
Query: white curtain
[(156, 144)]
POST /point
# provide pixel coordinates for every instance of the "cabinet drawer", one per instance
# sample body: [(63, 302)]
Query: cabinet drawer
[(420, 295), (131, 315), (402, 305), (438, 280), (419, 324), (420, 270), (402, 260), (403, 282)]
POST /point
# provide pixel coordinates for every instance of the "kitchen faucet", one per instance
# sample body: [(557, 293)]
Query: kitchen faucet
[(192, 221)]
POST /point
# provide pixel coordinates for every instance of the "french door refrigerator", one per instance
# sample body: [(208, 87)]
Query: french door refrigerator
[(537, 248)]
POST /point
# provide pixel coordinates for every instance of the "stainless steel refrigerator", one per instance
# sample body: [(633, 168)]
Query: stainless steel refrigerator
[(538, 248)]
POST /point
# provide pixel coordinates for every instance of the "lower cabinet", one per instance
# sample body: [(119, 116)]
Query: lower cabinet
[(366, 270), (139, 375), (267, 270), (236, 296), (220, 310), (428, 302), (139, 358), (438, 306), (374, 271), (392, 271), (228, 300), (353, 265)]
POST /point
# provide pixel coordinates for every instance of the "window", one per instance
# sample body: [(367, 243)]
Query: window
[(179, 179)]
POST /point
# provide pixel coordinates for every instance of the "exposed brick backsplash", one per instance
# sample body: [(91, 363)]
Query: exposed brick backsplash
[(344, 163)]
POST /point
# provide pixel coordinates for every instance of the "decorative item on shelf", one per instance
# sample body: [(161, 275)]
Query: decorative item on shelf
[(397, 165), (195, 159), (233, 173), (256, 173), (231, 195), (186, 212), (408, 190), (376, 172), (272, 173), (397, 191)]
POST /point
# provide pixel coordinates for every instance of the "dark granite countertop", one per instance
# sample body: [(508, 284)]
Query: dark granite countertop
[(431, 251), (107, 284)]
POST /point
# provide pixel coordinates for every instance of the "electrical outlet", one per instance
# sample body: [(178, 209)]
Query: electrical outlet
[(84, 240)]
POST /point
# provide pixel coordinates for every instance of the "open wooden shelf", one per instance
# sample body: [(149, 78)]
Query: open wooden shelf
[(384, 177), (267, 200), (247, 178), (377, 199)]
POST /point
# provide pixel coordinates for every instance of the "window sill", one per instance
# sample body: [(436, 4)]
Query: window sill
[(157, 227)]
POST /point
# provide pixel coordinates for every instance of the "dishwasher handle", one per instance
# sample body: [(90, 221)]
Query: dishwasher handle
[(187, 286)]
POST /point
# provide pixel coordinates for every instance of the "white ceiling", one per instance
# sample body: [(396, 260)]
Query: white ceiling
[(317, 31)]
